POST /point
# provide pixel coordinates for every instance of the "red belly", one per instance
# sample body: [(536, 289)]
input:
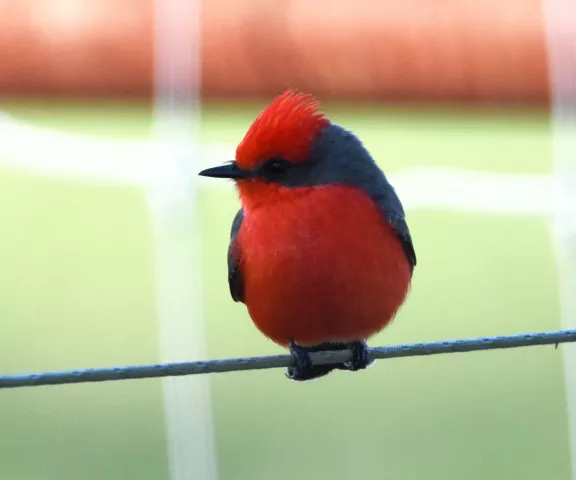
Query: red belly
[(322, 266)]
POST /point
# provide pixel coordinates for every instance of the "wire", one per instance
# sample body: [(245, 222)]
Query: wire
[(279, 361)]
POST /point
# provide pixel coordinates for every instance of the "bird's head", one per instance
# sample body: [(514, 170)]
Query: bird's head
[(291, 144)]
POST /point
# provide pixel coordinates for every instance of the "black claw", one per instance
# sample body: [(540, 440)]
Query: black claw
[(360, 358), (301, 355), (303, 369)]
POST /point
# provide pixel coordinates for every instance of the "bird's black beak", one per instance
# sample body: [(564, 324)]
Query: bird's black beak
[(228, 170)]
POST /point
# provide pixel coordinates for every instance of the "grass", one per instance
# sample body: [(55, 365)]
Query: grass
[(77, 290)]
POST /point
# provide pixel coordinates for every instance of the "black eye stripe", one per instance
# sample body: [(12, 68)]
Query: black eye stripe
[(275, 167), (277, 161)]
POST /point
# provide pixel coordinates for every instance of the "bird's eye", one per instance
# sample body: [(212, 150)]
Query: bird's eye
[(275, 168)]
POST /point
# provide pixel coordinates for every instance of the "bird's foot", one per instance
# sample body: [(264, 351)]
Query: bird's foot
[(359, 359), (303, 369)]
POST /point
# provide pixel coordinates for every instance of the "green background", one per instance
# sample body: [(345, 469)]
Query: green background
[(77, 290)]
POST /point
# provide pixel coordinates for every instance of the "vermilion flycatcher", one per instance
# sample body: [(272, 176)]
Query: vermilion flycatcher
[(320, 251)]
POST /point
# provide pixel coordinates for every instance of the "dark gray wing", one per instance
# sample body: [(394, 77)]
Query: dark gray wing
[(398, 222), (384, 195), (234, 276)]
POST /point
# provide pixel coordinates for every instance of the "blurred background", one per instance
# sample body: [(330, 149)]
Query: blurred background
[(113, 252)]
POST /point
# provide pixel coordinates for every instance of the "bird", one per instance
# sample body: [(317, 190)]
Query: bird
[(320, 251)]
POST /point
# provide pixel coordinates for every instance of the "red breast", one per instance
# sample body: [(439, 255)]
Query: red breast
[(321, 265)]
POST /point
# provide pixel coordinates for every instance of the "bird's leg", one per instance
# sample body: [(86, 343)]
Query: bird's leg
[(360, 358), (303, 369)]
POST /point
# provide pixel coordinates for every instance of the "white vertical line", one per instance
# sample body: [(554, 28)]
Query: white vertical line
[(172, 200), (560, 18)]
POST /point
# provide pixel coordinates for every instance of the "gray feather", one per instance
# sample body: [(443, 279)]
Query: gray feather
[(234, 275)]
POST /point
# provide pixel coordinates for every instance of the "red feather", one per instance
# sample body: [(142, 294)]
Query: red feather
[(286, 128), (321, 264)]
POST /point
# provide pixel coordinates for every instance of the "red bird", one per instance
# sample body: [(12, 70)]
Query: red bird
[(320, 251)]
